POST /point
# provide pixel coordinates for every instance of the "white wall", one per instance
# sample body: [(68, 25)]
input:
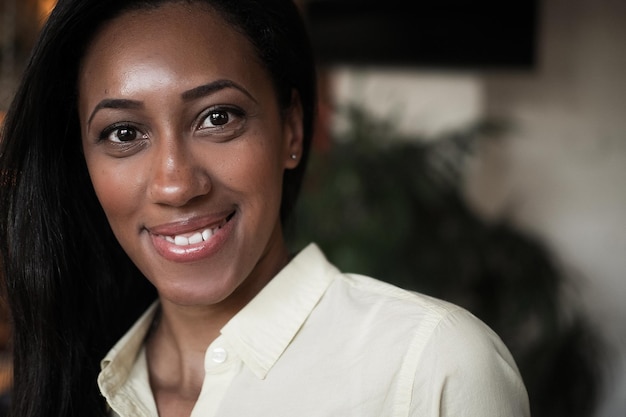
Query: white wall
[(420, 103)]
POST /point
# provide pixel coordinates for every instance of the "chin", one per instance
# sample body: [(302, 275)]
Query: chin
[(192, 298), (195, 292)]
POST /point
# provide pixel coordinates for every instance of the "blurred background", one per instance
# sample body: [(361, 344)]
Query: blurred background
[(474, 151)]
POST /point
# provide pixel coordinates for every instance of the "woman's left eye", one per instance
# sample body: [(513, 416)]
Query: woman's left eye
[(221, 121), (217, 118)]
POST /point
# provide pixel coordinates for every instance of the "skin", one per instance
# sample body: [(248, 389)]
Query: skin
[(182, 131)]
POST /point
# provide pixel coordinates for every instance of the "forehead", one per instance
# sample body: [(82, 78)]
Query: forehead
[(184, 41)]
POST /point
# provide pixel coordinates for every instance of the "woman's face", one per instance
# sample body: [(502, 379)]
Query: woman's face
[(186, 147)]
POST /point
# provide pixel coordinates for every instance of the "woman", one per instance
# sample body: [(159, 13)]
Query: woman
[(154, 151)]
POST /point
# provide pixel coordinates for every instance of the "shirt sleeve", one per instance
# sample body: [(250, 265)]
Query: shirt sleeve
[(464, 370)]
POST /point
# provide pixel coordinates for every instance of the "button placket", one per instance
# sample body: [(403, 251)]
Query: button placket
[(221, 365)]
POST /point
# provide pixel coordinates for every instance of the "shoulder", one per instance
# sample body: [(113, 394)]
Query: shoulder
[(452, 363), (424, 325), (405, 307), (464, 368), (428, 357)]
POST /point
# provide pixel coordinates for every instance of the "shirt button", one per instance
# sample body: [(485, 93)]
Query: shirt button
[(219, 355)]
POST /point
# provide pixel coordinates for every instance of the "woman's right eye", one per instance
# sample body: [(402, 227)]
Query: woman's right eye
[(121, 134)]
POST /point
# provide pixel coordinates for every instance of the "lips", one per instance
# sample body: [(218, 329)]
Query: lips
[(192, 240)]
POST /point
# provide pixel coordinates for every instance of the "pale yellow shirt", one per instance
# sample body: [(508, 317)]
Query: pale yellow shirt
[(317, 342)]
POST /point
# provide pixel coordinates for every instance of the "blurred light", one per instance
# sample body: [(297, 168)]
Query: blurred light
[(45, 7)]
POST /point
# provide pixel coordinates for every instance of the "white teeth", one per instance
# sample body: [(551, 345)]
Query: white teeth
[(181, 241), (193, 239)]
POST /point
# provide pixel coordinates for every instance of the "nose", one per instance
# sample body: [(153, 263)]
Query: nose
[(177, 175)]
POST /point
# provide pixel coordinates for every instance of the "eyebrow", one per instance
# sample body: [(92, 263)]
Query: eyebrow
[(213, 87), (115, 103), (189, 95)]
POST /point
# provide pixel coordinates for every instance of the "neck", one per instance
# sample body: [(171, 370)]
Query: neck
[(181, 334)]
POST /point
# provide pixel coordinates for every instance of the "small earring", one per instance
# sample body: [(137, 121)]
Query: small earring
[(294, 156)]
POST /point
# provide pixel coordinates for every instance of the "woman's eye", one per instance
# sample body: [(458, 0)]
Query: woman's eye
[(121, 134), (217, 118), (221, 120)]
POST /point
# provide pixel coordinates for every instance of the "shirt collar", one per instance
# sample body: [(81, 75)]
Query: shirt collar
[(118, 363), (263, 329), (259, 333)]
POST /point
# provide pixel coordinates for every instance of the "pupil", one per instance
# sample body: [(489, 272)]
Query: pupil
[(126, 134), (219, 118)]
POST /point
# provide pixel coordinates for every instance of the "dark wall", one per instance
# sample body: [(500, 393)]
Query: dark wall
[(443, 33)]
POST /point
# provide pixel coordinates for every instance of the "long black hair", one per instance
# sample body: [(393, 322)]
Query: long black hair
[(72, 290)]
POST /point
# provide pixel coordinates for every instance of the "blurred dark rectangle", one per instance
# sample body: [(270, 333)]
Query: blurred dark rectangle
[(442, 34)]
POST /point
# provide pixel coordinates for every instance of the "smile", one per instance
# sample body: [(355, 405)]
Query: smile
[(194, 238), (191, 245)]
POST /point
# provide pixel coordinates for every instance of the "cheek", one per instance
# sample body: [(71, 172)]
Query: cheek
[(259, 170), (113, 189)]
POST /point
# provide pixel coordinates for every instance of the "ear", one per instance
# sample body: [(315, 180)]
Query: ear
[(293, 132)]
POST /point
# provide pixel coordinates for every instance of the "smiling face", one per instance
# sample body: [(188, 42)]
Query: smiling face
[(186, 147)]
